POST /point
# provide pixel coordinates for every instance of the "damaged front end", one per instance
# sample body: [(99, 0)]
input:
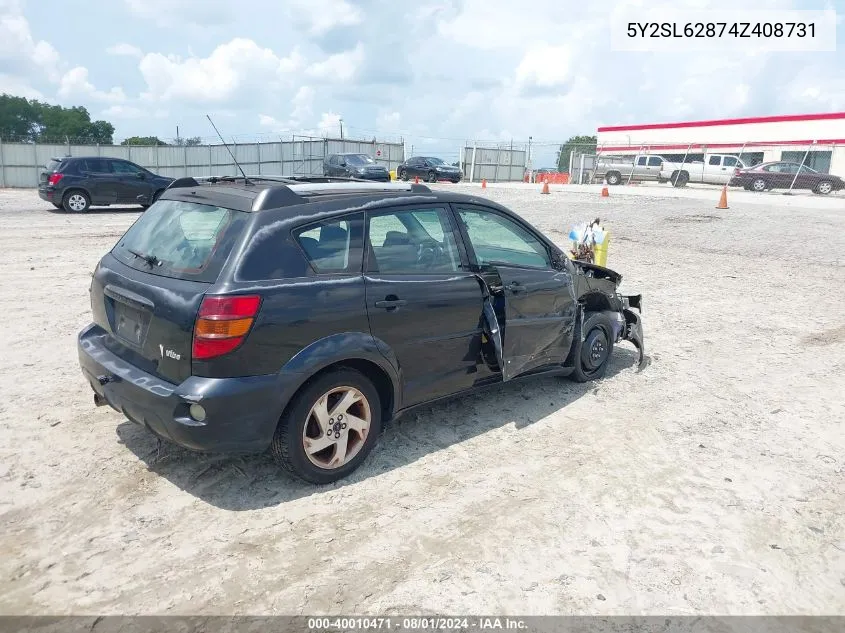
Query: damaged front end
[(597, 289)]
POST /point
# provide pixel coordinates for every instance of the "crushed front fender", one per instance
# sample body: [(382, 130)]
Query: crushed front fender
[(634, 327)]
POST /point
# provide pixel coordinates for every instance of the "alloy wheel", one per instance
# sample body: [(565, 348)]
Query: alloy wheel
[(337, 427)]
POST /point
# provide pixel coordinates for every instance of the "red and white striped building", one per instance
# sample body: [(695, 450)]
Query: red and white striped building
[(821, 137)]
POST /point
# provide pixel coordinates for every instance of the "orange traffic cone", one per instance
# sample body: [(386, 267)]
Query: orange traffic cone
[(484, 183), (723, 200), (545, 187), (416, 180), (605, 193)]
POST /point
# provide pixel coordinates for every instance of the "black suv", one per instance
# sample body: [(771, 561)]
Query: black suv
[(76, 184), (358, 166), (300, 315), (428, 168)]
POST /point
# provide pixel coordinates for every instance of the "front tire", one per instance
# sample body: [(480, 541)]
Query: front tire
[(403, 175), (329, 428), (593, 355), (432, 177), (824, 187), (76, 202)]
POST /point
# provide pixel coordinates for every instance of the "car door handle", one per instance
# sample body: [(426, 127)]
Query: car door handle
[(390, 304), (515, 286)]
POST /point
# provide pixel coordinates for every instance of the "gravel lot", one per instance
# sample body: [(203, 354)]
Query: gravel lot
[(712, 482)]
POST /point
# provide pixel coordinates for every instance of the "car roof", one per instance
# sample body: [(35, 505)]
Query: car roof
[(262, 193)]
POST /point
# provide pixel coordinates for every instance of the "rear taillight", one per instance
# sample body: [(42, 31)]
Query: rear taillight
[(54, 179), (222, 324)]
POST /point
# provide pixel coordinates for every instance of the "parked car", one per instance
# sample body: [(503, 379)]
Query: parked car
[(615, 171), (77, 183), (355, 166), (301, 317), (781, 174), (715, 169), (428, 168)]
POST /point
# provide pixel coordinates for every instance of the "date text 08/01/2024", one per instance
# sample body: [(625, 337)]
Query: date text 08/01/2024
[(721, 29), (326, 624)]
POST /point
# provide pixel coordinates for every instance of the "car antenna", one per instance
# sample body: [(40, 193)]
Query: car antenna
[(234, 160)]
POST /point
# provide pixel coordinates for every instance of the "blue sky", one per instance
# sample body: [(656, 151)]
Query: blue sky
[(433, 72)]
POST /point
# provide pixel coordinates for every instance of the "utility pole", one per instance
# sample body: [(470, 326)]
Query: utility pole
[(341, 129), (530, 169), (177, 133)]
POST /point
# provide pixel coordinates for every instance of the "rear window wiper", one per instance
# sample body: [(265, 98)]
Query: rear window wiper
[(151, 260)]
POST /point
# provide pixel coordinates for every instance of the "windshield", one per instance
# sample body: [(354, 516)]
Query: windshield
[(183, 240), (359, 159), (435, 161)]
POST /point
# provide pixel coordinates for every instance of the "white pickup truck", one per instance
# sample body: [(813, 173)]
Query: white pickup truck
[(715, 169)]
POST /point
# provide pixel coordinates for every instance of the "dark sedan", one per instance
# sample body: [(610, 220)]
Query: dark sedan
[(77, 183), (428, 168), (782, 174), (358, 166)]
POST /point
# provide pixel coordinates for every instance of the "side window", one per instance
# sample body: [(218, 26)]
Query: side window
[(412, 241), (641, 160), (730, 161), (95, 166), (497, 239), (334, 245), (715, 160), (123, 168), (655, 161)]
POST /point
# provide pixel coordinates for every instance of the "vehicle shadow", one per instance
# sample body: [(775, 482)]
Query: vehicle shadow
[(254, 481), (98, 210)]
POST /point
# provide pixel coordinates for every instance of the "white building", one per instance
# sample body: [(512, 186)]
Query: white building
[(821, 137)]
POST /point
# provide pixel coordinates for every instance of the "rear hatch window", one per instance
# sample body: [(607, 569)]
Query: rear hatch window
[(181, 240)]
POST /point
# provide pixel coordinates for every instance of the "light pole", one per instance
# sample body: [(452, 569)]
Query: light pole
[(341, 129)]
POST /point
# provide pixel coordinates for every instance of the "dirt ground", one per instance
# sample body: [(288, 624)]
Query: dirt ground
[(712, 482)]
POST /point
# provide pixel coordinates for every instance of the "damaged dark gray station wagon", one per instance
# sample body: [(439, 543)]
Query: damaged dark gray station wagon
[(300, 315)]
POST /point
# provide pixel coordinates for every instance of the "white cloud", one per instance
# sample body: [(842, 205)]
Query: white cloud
[(339, 67), (19, 87), (122, 111), (20, 54), (329, 124), (545, 66), (231, 67), (74, 84), (388, 122), (321, 16), (125, 50)]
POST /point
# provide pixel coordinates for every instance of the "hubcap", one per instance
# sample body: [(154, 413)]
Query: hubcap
[(336, 428), (76, 202), (595, 349), (759, 185), (824, 187)]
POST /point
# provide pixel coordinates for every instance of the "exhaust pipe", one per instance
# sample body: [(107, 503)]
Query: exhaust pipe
[(99, 400)]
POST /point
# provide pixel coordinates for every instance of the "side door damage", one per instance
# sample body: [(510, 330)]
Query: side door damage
[(497, 351)]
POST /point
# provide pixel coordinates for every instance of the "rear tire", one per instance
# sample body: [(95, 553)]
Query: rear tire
[(299, 425), (680, 179), (403, 175), (593, 355), (613, 177), (76, 201), (759, 185)]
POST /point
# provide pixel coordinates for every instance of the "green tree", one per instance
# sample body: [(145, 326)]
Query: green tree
[(578, 144), (29, 120), (188, 142), (17, 118), (143, 140)]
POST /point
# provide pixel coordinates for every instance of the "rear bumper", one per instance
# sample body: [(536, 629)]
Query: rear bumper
[(241, 413), (48, 194), (385, 177)]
